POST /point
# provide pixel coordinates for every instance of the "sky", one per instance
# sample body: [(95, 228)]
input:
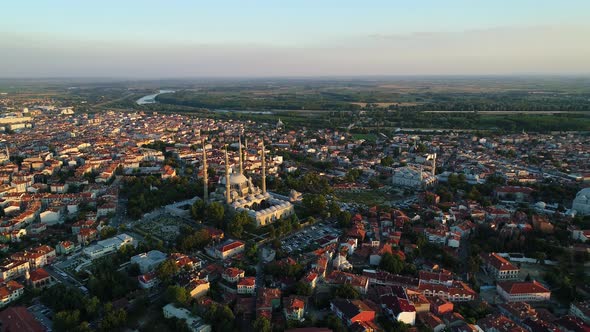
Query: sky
[(256, 38)]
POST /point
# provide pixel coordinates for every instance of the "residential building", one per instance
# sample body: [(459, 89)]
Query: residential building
[(19, 319), (499, 267), (148, 261), (294, 307), (226, 250), (352, 311), (527, 291), (247, 285), (10, 291)]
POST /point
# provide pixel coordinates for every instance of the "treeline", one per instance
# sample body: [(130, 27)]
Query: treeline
[(75, 312), (150, 192), (456, 120), (308, 101)]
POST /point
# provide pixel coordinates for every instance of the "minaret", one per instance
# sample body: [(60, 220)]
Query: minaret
[(434, 165), (227, 187), (205, 175), (241, 157), (421, 174), (263, 169), (245, 148)]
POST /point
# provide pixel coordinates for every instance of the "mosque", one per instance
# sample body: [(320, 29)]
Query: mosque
[(241, 194)]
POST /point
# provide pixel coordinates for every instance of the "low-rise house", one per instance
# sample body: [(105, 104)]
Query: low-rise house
[(148, 280), (420, 302), (233, 274), (458, 292), (499, 267), (439, 306), (39, 279), (226, 250), (247, 285), (86, 235), (432, 322), (65, 248), (198, 288), (352, 311), (360, 283), (10, 291), (571, 324), (499, 323), (267, 300), (398, 309), (37, 257), (294, 307), (11, 269), (311, 278)]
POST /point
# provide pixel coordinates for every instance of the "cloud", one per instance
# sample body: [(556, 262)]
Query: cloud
[(502, 50)]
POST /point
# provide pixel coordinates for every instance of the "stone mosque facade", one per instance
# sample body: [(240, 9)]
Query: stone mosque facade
[(242, 195)]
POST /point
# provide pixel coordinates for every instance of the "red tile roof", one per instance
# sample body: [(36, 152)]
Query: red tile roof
[(523, 287), (19, 319)]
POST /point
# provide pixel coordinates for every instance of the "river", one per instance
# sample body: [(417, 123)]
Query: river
[(151, 99)]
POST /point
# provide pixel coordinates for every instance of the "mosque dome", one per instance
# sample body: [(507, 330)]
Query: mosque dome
[(235, 179)]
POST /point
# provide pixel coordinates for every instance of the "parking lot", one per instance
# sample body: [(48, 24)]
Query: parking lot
[(298, 242), (43, 315)]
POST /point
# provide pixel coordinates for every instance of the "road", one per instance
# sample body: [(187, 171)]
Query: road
[(67, 280)]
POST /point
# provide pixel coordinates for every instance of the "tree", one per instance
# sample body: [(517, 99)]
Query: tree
[(373, 183), (83, 327), (197, 240), (238, 223), (107, 232), (344, 219), (66, 320), (113, 319), (167, 270), (335, 323), (198, 210), (303, 288), (261, 324), (387, 161), (391, 263), (347, 291), (314, 203), (92, 307), (178, 294), (215, 213), (251, 250)]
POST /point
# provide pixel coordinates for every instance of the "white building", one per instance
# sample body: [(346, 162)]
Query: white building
[(581, 203), (413, 177), (148, 261), (399, 309), (194, 323), (499, 267), (51, 217), (108, 246)]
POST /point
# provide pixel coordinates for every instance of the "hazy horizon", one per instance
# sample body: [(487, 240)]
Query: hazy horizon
[(262, 39)]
